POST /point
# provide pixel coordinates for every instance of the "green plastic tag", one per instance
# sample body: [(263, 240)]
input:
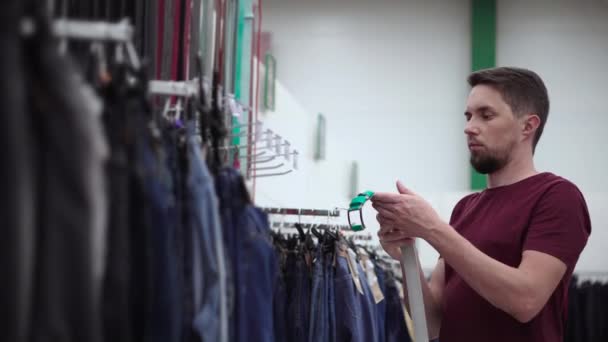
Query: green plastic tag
[(357, 227), (357, 205)]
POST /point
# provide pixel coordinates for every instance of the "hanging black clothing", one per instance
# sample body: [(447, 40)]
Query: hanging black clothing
[(70, 159), (16, 181)]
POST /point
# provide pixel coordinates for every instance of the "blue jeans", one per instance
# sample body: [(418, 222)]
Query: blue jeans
[(396, 330), (298, 282), (253, 259), (259, 270), (381, 307), (348, 308), (280, 304), (369, 311), (165, 305), (319, 327), (209, 258), (356, 315), (331, 296)]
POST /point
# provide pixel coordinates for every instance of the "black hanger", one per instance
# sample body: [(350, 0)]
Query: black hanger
[(217, 127), (204, 107), (301, 233)]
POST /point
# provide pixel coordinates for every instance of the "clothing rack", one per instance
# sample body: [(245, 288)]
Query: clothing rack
[(84, 30), (309, 225), (302, 212), (176, 88), (591, 275), (97, 31)]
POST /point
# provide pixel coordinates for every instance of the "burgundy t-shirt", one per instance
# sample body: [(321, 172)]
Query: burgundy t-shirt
[(544, 213)]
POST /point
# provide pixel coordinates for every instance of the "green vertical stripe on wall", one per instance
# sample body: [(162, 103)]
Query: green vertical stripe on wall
[(483, 53)]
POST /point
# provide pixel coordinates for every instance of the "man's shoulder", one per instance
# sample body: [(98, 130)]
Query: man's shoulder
[(553, 185)]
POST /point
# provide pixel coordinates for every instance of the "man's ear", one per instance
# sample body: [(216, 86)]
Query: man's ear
[(530, 124)]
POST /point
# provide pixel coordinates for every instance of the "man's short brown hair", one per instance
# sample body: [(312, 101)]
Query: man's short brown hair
[(523, 90)]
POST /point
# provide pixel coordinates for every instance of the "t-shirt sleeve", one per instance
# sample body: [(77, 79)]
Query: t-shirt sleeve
[(457, 212), (560, 224)]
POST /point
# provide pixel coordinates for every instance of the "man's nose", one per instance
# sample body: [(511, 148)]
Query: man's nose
[(471, 128)]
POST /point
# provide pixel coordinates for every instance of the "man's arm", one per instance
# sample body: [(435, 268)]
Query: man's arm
[(521, 292)]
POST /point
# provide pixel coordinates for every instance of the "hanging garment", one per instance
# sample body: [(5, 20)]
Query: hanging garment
[(396, 330), (252, 258), (281, 295), (318, 308), (164, 298), (298, 277), (356, 312), (319, 305), (381, 306), (71, 197), (16, 180), (209, 258)]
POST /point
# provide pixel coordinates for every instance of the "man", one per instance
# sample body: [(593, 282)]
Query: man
[(508, 253)]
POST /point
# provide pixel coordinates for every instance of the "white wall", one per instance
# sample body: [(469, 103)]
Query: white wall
[(390, 77), (391, 84), (566, 42)]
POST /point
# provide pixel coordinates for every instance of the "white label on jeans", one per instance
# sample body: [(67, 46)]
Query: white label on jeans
[(354, 271)]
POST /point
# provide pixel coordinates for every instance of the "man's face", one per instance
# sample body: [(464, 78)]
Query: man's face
[(491, 129)]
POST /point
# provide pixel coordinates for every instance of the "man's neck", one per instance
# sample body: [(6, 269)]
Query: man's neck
[(516, 170)]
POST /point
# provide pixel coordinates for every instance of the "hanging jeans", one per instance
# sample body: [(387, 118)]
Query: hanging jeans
[(165, 298), (396, 330), (280, 301), (381, 307), (247, 235), (298, 304), (209, 258), (319, 317), (348, 308)]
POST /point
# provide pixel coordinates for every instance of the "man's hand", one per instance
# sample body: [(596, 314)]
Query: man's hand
[(392, 240), (406, 213)]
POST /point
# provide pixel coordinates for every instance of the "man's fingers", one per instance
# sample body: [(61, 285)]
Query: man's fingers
[(384, 220), (397, 240), (386, 212), (385, 197), (403, 189)]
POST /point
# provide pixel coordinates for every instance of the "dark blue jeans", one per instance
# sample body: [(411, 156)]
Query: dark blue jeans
[(381, 307), (209, 258), (280, 303), (322, 308), (396, 330), (259, 268), (253, 259), (165, 309), (368, 308), (298, 281), (355, 312), (348, 308), (331, 296)]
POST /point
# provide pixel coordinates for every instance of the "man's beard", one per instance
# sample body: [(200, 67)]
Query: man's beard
[(486, 163)]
